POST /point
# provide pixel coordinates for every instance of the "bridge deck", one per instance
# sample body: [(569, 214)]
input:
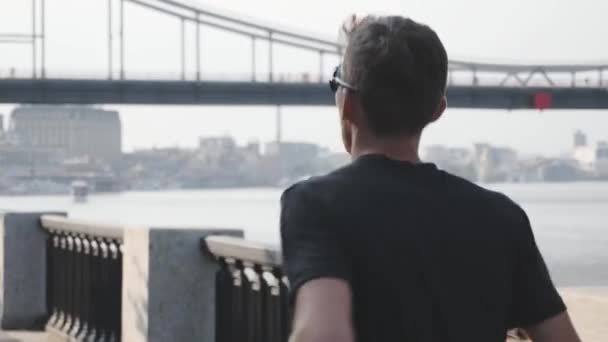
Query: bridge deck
[(59, 91)]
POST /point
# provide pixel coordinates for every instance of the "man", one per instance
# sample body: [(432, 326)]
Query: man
[(390, 249)]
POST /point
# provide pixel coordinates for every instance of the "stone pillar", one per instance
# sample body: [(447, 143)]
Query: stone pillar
[(23, 276), (168, 285)]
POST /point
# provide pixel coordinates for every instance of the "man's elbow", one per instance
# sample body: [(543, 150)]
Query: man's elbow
[(320, 335), (556, 329)]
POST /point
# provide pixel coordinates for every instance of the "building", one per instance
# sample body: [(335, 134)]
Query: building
[(291, 161), (3, 132), (76, 131), (580, 139), (213, 149), (458, 161), (495, 164), (601, 163), (441, 155), (560, 170), (591, 159), (293, 150), (23, 161)]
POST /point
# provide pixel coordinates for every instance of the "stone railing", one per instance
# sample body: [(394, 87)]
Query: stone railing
[(84, 279), (251, 291)]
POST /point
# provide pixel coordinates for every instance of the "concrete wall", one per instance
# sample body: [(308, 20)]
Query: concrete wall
[(168, 285), (22, 271)]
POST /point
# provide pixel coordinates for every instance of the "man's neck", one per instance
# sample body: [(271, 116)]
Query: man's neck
[(402, 149)]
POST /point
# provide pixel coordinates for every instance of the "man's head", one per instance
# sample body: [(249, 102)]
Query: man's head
[(393, 77)]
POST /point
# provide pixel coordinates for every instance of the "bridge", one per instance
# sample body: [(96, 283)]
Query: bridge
[(471, 84)]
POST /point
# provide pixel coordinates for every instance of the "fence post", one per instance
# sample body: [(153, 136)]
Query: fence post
[(23, 271), (168, 285)]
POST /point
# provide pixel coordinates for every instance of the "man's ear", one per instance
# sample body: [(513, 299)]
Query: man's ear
[(441, 107), (349, 106)]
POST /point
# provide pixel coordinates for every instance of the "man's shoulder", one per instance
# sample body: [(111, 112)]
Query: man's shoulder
[(308, 201), (495, 201), (322, 186)]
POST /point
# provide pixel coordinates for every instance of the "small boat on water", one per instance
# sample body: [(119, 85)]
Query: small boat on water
[(80, 191)]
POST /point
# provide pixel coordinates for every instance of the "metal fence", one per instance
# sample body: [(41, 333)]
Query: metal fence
[(84, 283), (251, 291)]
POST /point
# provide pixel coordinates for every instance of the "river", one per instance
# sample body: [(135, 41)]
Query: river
[(570, 220)]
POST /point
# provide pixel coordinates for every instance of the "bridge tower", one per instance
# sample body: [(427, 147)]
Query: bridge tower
[(580, 139), (279, 127)]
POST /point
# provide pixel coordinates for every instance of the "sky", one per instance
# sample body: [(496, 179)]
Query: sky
[(515, 31)]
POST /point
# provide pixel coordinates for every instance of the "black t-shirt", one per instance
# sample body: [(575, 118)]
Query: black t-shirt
[(429, 256)]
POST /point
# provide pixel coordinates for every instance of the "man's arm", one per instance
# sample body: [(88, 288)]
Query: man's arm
[(555, 329), (323, 312), (536, 304), (318, 268)]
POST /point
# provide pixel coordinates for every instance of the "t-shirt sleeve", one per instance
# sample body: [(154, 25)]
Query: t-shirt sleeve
[(311, 243), (534, 298)]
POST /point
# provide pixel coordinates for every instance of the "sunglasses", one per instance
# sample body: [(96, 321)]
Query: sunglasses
[(336, 81)]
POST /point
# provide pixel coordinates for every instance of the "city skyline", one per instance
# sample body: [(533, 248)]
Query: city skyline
[(509, 130), (46, 148), (83, 128)]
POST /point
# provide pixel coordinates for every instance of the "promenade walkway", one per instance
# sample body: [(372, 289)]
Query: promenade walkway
[(588, 307), (589, 310), (23, 337)]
